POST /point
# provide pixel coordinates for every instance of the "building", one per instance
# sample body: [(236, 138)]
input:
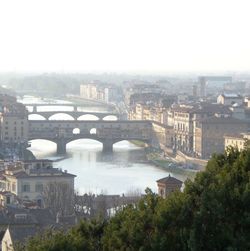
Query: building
[(16, 234), (214, 82), (13, 122), (237, 140), (101, 92), (36, 164), (7, 198), (168, 185), (184, 119), (29, 184), (19, 224), (163, 134), (183, 127), (230, 99), (209, 134)]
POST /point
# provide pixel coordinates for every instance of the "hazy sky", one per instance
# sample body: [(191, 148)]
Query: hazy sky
[(124, 35)]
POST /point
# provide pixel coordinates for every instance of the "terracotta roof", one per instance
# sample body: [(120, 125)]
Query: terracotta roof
[(169, 180)]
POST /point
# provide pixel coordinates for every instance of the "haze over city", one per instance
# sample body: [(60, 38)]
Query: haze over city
[(124, 36), (124, 125)]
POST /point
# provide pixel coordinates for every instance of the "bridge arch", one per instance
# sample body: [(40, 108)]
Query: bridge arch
[(41, 145), (110, 117), (123, 143), (43, 139), (83, 140), (61, 116), (88, 116), (35, 116)]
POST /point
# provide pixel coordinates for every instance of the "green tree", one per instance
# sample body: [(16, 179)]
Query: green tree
[(86, 236), (212, 213)]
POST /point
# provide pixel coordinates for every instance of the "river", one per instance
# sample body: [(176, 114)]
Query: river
[(123, 172)]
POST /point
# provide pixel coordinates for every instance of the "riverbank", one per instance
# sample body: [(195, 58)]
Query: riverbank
[(158, 158)]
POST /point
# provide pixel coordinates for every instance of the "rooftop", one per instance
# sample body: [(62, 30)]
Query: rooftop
[(21, 233), (231, 95), (221, 120), (170, 180)]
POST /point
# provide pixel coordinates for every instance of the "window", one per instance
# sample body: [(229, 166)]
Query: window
[(8, 200), (26, 188), (14, 187), (39, 188)]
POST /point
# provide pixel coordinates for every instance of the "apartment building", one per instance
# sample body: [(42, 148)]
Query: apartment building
[(237, 140), (13, 121), (209, 134), (29, 184), (185, 119), (230, 99), (101, 92)]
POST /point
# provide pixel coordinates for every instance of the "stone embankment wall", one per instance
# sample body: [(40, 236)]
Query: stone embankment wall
[(190, 161)]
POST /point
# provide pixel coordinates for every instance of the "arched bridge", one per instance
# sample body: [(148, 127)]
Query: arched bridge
[(107, 132), (75, 113)]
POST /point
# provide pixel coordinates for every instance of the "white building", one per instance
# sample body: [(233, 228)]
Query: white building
[(29, 184), (230, 99)]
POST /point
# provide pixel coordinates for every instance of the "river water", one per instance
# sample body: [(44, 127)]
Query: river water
[(125, 171)]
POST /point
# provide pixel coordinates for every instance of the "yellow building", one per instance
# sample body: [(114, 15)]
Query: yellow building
[(236, 140)]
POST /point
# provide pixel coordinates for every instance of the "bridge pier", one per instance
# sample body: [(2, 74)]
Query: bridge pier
[(61, 146), (107, 146), (34, 108)]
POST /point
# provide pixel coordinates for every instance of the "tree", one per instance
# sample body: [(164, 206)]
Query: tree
[(212, 213), (86, 236), (59, 197)]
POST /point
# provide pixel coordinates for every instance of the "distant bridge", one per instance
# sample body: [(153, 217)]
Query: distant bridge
[(107, 132), (75, 113)]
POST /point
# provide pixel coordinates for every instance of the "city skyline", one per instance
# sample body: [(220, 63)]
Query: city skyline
[(156, 37)]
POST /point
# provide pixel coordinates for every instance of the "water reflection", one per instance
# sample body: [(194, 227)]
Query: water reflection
[(122, 171)]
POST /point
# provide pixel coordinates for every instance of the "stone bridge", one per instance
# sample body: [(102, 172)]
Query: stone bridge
[(75, 114), (107, 132)]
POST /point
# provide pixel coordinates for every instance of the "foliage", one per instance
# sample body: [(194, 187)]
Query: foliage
[(212, 213), (86, 237)]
